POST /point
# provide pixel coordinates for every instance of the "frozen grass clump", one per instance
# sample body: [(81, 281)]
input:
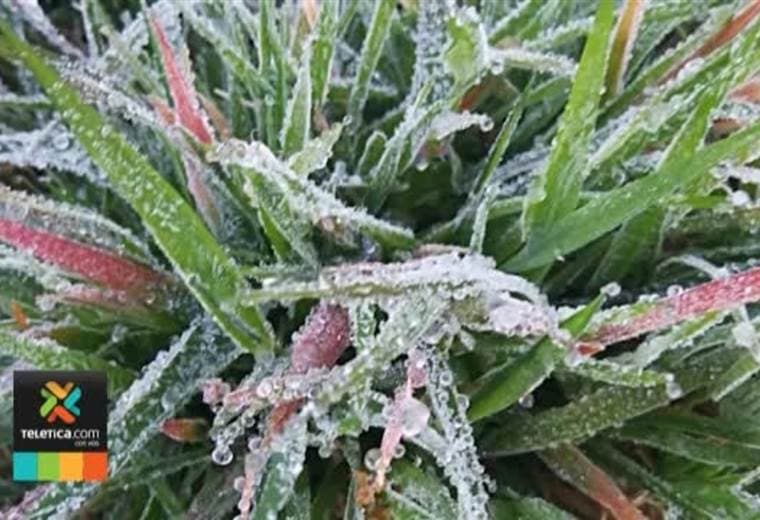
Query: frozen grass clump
[(389, 259)]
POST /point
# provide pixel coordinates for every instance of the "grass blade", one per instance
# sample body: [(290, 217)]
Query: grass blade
[(572, 466), (377, 33), (622, 44), (556, 191), (322, 50), (297, 124)]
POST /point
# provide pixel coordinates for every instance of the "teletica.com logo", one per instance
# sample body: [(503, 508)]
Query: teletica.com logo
[(60, 426), (61, 402)]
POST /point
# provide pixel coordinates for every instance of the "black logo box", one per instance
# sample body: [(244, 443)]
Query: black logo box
[(27, 399)]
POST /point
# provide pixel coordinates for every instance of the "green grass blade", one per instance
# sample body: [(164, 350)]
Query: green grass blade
[(373, 151), (702, 439), (499, 148), (527, 508), (616, 374), (516, 21), (634, 245), (557, 189), (377, 33), (418, 494), (322, 49), (288, 234), (297, 124), (273, 63), (282, 471), (316, 152)]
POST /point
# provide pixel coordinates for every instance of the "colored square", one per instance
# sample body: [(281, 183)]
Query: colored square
[(24, 466), (95, 465), (47, 466), (70, 466)]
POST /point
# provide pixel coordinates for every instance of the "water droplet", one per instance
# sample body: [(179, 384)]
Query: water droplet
[(673, 389), (264, 389), (414, 417), (222, 455), (740, 198), (254, 443), (61, 142), (399, 451), (611, 290), (526, 401), (371, 458)]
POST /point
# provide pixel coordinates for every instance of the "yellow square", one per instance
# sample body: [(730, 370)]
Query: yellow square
[(71, 465)]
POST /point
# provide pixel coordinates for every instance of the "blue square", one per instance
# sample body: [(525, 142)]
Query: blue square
[(24, 466)]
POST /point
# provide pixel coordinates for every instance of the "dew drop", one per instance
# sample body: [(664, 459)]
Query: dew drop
[(740, 198), (399, 451), (222, 455), (611, 290), (673, 389), (61, 142), (264, 389), (526, 401), (414, 417), (371, 458)]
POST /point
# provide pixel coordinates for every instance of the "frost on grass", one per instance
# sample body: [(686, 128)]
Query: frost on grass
[(436, 296), (50, 147), (285, 158)]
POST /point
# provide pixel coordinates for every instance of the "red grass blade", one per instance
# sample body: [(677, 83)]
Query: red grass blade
[(322, 339), (570, 464), (204, 198), (190, 430), (394, 428), (19, 316), (91, 263), (318, 344), (183, 94), (749, 92), (715, 296)]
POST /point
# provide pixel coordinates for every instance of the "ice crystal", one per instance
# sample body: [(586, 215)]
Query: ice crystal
[(458, 456)]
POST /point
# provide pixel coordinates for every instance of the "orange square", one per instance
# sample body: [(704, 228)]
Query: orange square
[(70, 466), (95, 465)]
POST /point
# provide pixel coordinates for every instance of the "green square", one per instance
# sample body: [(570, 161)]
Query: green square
[(47, 466)]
